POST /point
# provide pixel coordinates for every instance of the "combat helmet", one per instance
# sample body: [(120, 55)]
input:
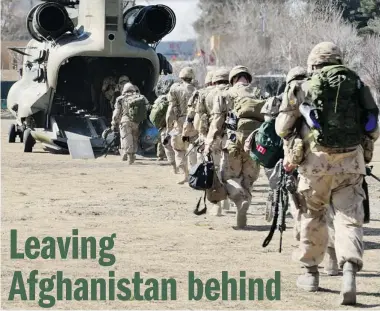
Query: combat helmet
[(187, 73), (324, 53), (130, 88), (239, 70), (220, 75), (209, 77), (296, 73), (123, 79)]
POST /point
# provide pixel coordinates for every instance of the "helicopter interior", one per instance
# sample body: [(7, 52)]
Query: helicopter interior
[(80, 82)]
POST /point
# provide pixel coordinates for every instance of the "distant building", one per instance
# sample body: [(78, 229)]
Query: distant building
[(11, 60), (177, 50)]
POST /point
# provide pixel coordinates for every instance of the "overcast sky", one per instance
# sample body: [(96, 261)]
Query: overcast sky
[(186, 12)]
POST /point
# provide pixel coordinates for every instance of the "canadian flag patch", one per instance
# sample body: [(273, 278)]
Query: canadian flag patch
[(261, 149)]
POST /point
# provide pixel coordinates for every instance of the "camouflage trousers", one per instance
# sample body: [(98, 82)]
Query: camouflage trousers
[(179, 148), (216, 150), (238, 172), (192, 155), (129, 136), (167, 149), (343, 228)]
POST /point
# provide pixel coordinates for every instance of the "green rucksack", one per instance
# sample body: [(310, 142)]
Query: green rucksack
[(247, 110), (335, 95), (158, 113), (267, 146), (136, 107)]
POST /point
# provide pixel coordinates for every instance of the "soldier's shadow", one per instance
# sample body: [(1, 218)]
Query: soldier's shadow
[(255, 228), (371, 245), (371, 231), (358, 305)]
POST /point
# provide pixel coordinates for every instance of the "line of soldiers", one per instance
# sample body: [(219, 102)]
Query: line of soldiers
[(329, 214)]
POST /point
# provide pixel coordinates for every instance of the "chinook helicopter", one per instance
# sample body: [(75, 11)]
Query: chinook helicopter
[(59, 99)]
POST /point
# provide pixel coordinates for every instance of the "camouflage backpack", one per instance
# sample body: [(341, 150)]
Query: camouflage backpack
[(249, 118), (158, 113), (135, 106), (335, 96)]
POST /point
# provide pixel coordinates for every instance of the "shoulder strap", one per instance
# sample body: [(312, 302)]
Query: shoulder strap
[(204, 210)]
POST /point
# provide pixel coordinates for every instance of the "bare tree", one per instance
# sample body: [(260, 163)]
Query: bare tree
[(13, 24), (268, 37), (370, 65)]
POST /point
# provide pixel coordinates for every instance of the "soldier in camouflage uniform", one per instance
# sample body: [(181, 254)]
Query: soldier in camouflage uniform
[(192, 123), (238, 170), (294, 79), (109, 87), (327, 175), (178, 97), (162, 91), (202, 121), (119, 88), (129, 130)]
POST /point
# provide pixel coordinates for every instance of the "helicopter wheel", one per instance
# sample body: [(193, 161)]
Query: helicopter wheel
[(21, 136), (12, 134), (28, 141)]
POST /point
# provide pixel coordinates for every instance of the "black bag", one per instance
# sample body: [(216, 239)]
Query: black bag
[(201, 176)]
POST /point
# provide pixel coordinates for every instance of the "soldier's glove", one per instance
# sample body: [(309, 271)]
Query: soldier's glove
[(114, 129), (185, 139), (206, 150), (294, 152), (368, 147)]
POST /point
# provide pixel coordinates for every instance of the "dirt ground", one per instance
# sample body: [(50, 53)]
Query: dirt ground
[(157, 233)]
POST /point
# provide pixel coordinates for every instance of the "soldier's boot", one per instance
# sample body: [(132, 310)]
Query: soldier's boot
[(217, 209), (348, 292), (241, 214), (175, 169), (132, 158), (310, 280), (185, 176), (331, 267), (124, 156), (226, 204), (297, 235)]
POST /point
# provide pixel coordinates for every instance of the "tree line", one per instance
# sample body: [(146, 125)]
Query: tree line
[(270, 37)]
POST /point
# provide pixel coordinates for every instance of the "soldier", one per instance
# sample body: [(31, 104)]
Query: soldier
[(333, 164), (178, 97), (295, 77), (164, 147), (194, 115), (203, 117), (109, 87), (107, 96), (238, 170), (119, 87), (130, 111)]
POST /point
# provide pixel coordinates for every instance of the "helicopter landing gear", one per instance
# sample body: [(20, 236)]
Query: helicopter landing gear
[(29, 141), (15, 131)]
